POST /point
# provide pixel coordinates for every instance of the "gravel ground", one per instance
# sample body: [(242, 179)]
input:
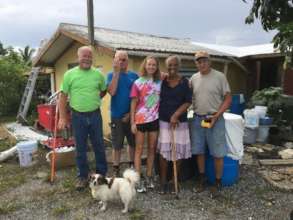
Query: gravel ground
[(35, 198), (26, 194)]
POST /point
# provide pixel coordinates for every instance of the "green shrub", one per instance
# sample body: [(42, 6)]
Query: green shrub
[(12, 84), (270, 97)]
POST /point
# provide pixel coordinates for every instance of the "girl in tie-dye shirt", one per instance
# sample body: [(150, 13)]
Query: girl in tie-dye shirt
[(144, 112)]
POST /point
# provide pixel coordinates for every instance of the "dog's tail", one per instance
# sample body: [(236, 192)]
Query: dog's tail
[(131, 175)]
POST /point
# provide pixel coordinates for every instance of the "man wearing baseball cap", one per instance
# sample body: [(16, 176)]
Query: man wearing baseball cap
[(211, 98)]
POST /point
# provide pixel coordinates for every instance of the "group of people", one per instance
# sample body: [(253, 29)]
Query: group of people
[(151, 107)]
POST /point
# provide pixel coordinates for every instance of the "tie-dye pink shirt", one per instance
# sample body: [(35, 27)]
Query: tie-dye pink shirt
[(148, 93)]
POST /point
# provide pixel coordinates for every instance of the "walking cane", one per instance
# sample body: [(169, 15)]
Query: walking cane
[(173, 143), (53, 158)]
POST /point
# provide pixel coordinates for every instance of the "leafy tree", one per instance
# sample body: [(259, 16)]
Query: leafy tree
[(3, 51), (12, 81), (276, 15), (27, 54)]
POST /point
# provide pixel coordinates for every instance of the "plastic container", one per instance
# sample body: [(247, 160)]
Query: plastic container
[(265, 121), (47, 116), (261, 110), (238, 104), (262, 134), (251, 118), (65, 157), (25, 151), (250, 135), (230, 171)]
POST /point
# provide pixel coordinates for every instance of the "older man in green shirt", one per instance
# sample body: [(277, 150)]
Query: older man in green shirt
[(85, 86)]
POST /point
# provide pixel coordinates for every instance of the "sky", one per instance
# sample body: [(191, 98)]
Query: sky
[(209, 21)]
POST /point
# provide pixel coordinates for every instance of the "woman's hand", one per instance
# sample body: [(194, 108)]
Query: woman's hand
[(133, 128), (62, 123), (126, 118), (174, 121)]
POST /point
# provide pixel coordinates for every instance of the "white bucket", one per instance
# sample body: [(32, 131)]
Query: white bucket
[(261, 110), (25, 152), (251, 118)]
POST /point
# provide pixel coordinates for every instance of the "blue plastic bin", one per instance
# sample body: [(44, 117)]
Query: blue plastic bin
[(230, 170), (238, 104)]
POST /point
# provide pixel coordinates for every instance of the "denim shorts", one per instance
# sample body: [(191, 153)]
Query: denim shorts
[(213, 138), (120, 130)]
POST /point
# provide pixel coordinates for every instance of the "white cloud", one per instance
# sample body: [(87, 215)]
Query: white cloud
[(214, 21)]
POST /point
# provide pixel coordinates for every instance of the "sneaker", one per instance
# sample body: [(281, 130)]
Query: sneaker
[(172, 188), (201, 185), (141, 187), (216, 189), (163, 189), (150, 182), (81, 184)]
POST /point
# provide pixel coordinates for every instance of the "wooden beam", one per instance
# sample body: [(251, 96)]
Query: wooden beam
[(64, 51), (258, 73), (239, 64), (226, 66), (276, 162), (79, 39), (90, 19), (43, 50)]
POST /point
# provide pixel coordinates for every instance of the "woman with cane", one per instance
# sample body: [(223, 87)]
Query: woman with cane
[(175, 98)]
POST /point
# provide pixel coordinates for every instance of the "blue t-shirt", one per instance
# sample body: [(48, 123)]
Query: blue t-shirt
[(120, 102)]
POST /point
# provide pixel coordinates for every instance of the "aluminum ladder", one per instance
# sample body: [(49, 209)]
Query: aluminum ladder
[(27, 95)]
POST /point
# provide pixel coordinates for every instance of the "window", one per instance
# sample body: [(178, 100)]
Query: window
[(71, 65), (187, 71)]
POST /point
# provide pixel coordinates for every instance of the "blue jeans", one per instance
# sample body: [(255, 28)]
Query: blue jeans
[(213, 137), (89, 125)]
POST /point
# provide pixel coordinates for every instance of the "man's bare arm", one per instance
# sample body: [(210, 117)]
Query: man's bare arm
[(62, 104)]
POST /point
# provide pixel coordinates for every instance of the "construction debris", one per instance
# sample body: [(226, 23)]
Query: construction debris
[(286, 154), (280, 177), (276, 162), (5, 155)]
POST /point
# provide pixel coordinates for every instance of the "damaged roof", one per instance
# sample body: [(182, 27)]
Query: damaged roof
[(66, 34)]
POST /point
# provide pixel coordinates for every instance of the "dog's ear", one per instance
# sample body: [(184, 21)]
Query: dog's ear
[(92, 177), (102, 180)]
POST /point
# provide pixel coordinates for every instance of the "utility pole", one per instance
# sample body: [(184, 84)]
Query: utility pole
[(90, 17)]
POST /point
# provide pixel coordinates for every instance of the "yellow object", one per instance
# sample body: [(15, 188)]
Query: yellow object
[(205, 124)]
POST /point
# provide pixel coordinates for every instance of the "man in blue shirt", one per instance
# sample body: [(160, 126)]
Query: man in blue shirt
[(119, 83)]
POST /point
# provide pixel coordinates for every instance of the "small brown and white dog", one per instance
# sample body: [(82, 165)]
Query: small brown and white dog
[(107, 189)]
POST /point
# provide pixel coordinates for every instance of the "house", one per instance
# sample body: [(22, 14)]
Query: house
[(59, 54), (263, 64)]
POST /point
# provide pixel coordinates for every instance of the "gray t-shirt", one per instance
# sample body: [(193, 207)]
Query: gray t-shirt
[(208, 91)]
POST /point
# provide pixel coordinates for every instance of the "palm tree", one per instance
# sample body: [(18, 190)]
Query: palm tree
[(27, 54)]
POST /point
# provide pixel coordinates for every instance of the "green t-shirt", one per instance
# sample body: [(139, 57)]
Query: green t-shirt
[(83, 87)]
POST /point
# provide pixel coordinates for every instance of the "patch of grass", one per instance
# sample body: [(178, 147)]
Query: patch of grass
[(260, 192), (218, 211), (136, 214), (6, 143), (9, 207), (7, 119), (69, 184), (46, 193), (61, 210), (11, 179), (227, 200)]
